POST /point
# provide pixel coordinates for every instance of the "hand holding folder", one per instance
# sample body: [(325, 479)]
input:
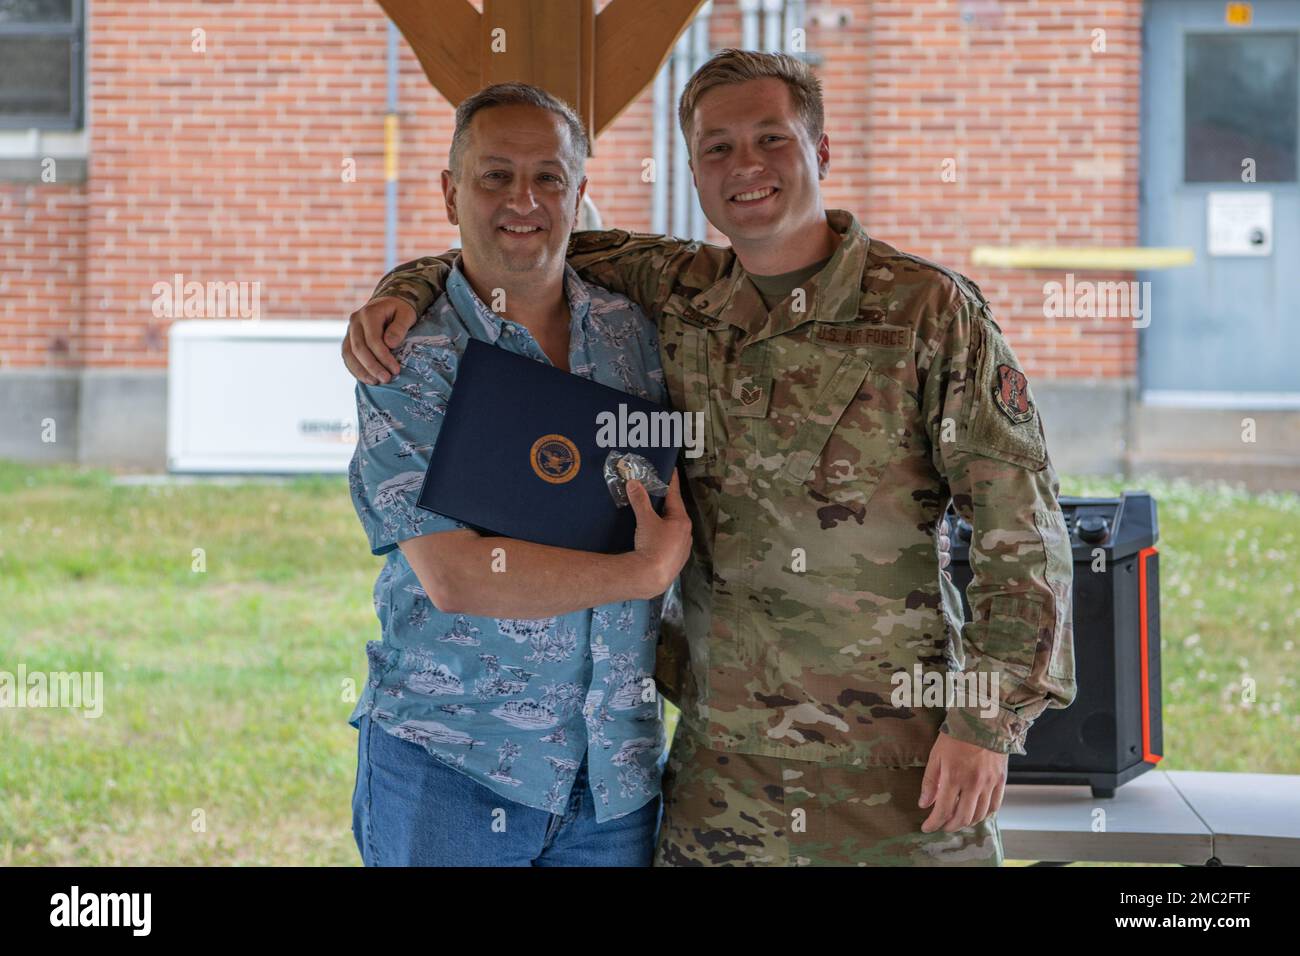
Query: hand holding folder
[(520, 454)]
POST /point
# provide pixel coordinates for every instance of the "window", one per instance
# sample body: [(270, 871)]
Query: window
[(41, 65), (1240, 103)]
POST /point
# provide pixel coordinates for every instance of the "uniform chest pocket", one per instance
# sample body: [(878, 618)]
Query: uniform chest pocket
[(849, 436), (691, 383)]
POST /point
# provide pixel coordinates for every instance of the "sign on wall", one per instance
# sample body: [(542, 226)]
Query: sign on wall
[(1240, 223)]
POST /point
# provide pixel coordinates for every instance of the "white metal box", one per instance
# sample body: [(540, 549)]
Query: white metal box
[(259, 396)]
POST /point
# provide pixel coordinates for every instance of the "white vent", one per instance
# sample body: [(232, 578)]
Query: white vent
[(259, 396)]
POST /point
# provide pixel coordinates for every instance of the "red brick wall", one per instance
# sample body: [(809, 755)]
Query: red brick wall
[(225, 165), (42, 273), (1028, 111)]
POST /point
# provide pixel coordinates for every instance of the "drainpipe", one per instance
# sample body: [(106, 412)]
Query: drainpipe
[(699, 53), (681, 172), (794, 14), (772, 26), (749, 24), (664, 112), (390, 155)]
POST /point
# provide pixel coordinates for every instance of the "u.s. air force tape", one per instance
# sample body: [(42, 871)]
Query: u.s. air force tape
[(865, 333)]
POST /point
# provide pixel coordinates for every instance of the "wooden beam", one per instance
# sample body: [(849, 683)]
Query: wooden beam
[(537, 43), (445, 36), (599, 64), (587, 79), (633, 39)]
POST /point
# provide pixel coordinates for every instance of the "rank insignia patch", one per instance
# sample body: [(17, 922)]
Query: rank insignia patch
[(1012, 394)]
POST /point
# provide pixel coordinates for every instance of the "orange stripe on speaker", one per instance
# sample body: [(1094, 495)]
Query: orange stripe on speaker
[(1145, 650)]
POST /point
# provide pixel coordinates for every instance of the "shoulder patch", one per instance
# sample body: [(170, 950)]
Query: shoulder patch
[(1012, 393), (1004, 421)]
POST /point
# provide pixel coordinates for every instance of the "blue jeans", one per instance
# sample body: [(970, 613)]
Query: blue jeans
[(410, 810)]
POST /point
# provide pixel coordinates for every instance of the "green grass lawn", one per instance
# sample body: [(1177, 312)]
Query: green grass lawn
[(224, 737)]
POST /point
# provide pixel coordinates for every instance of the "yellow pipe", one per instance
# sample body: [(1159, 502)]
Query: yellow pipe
[(390, 148), (1118, 258)]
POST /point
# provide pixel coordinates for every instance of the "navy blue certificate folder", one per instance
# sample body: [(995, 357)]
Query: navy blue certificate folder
[(517, 454)]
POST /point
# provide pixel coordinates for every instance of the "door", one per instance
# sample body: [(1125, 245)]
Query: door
[(1220, 107)]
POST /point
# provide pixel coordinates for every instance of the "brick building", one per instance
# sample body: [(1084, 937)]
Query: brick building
[(213, 140)]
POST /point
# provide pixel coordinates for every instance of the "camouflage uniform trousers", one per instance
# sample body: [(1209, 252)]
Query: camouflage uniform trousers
[(731, 809)]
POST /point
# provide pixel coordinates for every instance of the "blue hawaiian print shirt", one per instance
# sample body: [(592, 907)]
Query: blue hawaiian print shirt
[(515, 704)]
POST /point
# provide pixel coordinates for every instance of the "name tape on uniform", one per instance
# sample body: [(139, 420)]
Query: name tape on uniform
[(881, 336)]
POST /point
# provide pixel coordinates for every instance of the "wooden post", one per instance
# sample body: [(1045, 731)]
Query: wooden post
[(598, 64)]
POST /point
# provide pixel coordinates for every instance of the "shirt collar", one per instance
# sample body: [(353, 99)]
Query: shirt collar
[(834, 293), (474, 310)]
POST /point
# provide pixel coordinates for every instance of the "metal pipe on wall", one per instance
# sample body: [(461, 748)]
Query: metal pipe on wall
[(659, 145), (749, 24), (390, 154), (681, 172), (772, 26), (794, 14), (699, 54)]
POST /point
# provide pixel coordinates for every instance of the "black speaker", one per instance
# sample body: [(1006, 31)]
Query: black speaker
[(1112, 730)]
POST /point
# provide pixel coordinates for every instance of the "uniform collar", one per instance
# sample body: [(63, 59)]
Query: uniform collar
[(474, 310), (834, 293)]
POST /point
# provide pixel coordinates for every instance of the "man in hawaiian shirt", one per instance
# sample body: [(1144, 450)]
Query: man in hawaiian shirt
[(511, 715)]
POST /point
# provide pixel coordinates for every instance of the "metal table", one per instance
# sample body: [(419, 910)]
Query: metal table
[(1176, 816)]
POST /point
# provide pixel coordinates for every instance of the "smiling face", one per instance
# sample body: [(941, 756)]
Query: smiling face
[(755, 165), (516, 195)]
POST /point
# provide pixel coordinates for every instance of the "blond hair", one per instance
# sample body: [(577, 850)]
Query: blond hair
[(738, 66)]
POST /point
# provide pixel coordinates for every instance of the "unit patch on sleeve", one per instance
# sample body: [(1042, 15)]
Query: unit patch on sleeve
[(1012, 394)]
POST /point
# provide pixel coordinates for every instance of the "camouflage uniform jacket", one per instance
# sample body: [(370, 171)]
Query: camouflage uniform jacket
[(838, 427)]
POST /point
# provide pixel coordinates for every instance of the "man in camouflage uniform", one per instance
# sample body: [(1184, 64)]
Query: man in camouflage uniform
[(841, 418)]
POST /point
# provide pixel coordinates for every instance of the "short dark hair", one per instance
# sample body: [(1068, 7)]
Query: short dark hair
[(517, 94)]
